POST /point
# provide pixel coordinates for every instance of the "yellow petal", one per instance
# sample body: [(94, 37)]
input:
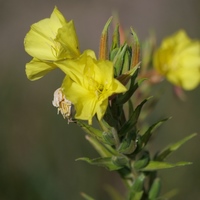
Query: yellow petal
[(36, 69), (52, 39), (82, 99), (68, 39), (75, 67), (40, 39), (185, 78)]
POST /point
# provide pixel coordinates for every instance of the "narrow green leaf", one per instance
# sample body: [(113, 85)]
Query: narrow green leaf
[(116, 38), (173, 147), (86, 197), (102, 162), (130, 124), (113, 54), (155, 189), (119, 60), (100, 148), (146, 136), (156, 165), (127, 60), (130, 108), (132, 88), (91, 130), (136, 190)]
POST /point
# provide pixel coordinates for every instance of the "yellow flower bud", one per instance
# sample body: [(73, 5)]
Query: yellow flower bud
[(178, 59)]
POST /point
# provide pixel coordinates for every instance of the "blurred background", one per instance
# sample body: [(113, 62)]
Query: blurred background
[(38, 148)]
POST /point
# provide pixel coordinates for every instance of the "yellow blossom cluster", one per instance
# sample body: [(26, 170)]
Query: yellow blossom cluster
[(89, 82)]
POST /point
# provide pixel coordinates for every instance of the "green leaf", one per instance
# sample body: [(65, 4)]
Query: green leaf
[(87, 197), (113, 54), (143, 161), (106, 162), (173, 147), (156, 165), (91, 130), (130, 124), (146, 136), (127, 60), (116, 38), (136, 190), (119, 59), (130, 108), (155, 189), (133, 87), (103, 150)]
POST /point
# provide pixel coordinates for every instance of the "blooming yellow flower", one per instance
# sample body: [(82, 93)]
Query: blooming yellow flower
[(88, 85), (178, 59), (50, 40)]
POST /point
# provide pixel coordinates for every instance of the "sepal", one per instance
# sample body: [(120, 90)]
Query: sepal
[(136, 49), (103, 47)]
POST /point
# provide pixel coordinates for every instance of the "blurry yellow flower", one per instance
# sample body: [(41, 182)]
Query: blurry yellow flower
[(88, 84), (178, 59), (50, 40)]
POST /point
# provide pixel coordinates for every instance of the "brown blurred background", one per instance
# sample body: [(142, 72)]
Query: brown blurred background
[(38, 148)]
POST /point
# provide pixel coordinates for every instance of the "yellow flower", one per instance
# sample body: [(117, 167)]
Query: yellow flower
[(88, 85), (50, 40), (178, 59)]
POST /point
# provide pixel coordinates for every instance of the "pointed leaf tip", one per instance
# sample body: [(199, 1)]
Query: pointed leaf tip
[(103, 48)]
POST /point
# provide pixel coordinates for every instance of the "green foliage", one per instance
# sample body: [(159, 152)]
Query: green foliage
[(173, 147), (137, 188), (122, 146), (155, 189), (156, 165)]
